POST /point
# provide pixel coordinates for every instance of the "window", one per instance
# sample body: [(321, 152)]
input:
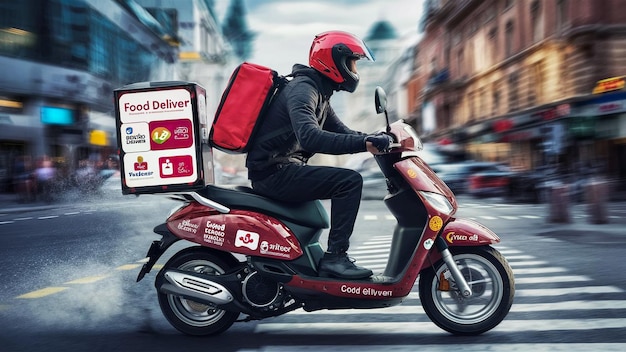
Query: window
[(513, 91), (535, 81), (508, 4), (483, 103), (495, 99), (493, 44), (472, 106), (508, 43), (561, 14), (536, 19), (459, 62)]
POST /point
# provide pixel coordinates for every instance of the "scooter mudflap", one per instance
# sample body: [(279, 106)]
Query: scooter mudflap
[(154, 252)]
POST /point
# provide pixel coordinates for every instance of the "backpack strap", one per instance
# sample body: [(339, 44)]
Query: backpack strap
[(287, 128)]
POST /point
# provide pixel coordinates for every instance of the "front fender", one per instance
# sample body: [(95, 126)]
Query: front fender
[(465, 232)]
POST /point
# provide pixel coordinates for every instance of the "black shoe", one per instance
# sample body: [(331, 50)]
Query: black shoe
[(342, 267)]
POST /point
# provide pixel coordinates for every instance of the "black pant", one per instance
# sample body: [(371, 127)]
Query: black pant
[(300, 183)]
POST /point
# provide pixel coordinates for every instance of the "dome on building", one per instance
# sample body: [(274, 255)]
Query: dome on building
[(381, 30)]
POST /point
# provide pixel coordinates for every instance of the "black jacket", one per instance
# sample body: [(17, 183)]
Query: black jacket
[(299, 123)]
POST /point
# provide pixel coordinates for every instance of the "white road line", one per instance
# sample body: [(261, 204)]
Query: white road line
[(528, 263), (6, 222), (47, 217), (550, 279), (406, 309), (487, 217), (366, 252), (371, 256), (512, 258), (370, 217), (407, 327), (530, 216), (376, 246), (510, 347), (505, 250), (550, 292), (22, 219), (538, 271), (507, 217), (72, 213)]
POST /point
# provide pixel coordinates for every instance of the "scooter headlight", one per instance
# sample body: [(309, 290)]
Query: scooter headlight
[(438, 201)]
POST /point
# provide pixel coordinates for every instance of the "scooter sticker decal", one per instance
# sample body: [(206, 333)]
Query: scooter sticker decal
[(214, 233), (452, 236), (247, 239), (428, 244), (411, 173), (435, 223), (275, 249)]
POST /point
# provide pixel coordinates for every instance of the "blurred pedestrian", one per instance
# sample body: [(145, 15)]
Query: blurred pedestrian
[(45, 175), (24, 178)]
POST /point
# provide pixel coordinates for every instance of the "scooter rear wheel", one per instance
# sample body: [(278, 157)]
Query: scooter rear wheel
[(489, 276), (188, 316)]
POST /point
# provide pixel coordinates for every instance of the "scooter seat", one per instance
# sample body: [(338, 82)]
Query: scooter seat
[(310, 214)]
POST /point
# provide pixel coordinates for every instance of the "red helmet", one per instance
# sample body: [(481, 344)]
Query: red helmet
[(330, 55)]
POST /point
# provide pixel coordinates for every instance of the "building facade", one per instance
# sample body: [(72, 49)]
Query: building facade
[(60, 61), (513, 80)]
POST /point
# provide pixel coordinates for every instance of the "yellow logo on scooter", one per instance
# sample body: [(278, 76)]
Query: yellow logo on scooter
[(435, 223), (411, 173)]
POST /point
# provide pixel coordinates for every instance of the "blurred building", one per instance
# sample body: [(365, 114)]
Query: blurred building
[(205, 56), (60, 61), (517, 80), (209, 51), (385, 44)]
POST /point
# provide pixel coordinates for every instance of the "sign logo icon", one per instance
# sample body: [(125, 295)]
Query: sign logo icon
[(129, 130), (247, 239), (160, 135), (140, 165)]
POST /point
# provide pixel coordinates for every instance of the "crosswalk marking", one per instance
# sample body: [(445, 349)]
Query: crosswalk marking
[(544, 292), (509, 347), (409, 327), (407, 309), (544, 279), (531, 298), (374, 217)]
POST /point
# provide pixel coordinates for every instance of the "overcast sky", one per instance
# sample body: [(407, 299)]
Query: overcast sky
[(285, 28)]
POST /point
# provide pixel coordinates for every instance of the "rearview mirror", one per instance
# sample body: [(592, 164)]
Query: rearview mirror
[(380, 99)]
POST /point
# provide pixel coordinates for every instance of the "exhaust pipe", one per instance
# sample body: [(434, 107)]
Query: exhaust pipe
[(195, 288)]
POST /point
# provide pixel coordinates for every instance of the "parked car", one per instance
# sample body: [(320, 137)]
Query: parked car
[(536, 185), (457, 175), (490, 183)]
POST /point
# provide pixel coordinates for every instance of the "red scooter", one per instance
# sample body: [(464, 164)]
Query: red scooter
[(466, 286)]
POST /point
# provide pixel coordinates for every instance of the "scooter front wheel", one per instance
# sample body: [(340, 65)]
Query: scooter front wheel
[(489, 276), (188, 316)]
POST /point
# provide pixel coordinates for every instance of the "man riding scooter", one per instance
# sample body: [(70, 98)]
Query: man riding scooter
[(300, 123)]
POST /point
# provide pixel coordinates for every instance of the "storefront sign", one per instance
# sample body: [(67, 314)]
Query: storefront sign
[(611, 107), (609, 85)]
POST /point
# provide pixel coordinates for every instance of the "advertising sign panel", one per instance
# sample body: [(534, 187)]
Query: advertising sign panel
[(162, 137)]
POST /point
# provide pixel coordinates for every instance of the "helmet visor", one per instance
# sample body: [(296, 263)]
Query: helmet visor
[(365, 51)]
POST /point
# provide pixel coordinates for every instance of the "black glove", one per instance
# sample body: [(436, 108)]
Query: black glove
[(380, 141)]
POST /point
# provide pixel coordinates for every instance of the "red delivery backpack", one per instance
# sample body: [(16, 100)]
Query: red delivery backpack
[(245, 100)]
